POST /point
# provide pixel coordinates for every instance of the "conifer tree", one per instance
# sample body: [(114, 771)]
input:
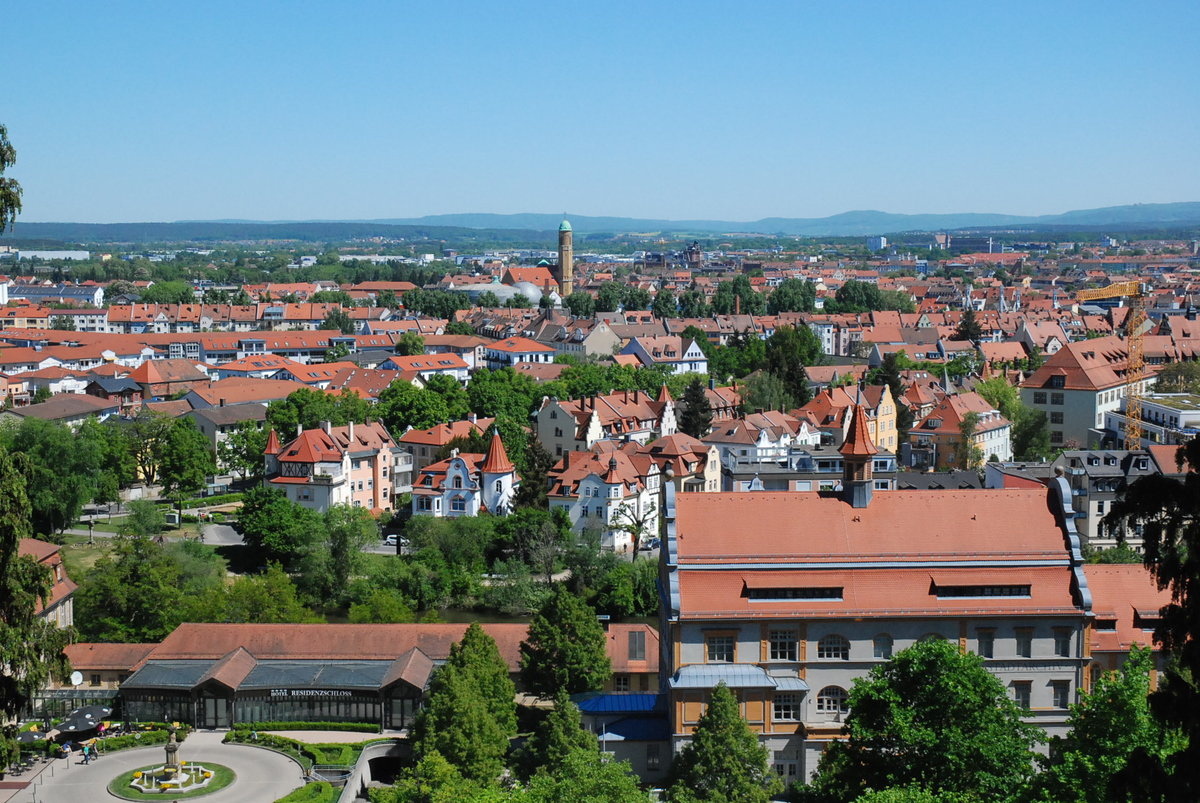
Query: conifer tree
[(724, 762), (470, 715), (560, 733), (969, 327), (565, 648), (696, 418)]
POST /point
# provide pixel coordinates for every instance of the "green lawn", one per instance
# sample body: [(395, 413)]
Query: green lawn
[(222, 777)]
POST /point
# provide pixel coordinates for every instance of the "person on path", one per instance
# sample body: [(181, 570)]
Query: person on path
[(87, 754)]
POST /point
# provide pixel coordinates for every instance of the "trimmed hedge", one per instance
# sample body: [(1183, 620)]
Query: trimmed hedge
[(316, 792), (352, 727), (203, 501), (307, 754)]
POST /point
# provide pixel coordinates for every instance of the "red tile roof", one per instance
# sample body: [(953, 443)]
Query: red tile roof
[(897, 526), (1118, 592)]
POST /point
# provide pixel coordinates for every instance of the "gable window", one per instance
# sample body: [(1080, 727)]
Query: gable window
[(833, 648), (458, 483), (783, 645)]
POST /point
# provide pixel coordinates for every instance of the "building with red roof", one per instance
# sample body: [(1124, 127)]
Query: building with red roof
[(787, 597), (358, 464), (466, 484)]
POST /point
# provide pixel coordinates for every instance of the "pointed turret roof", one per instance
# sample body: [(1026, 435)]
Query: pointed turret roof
[(496, 461), (273, 445), (858, 439), (664, 395)]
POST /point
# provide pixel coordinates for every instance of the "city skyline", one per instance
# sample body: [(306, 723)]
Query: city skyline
[(308, 111)]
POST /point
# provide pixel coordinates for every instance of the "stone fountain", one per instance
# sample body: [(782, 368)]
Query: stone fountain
[(174, 775)]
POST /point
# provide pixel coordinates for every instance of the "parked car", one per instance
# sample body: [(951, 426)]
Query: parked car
[(649, 544), (392, 539)]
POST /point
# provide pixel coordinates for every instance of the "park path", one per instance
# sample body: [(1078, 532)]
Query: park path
[(263, 776)]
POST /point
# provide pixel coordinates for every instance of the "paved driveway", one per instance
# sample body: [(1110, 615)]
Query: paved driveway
[(262, 775)]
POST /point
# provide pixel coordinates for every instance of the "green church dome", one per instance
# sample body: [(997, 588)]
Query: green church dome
[(565, 225)]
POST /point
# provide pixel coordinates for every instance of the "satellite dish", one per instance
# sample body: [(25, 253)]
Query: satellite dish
[(76, 678)]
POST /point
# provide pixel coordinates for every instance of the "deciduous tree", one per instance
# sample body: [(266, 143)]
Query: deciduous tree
[(1169, 511), (185, 460), (131, 594), (932, 717), (31, 647), (10, 189)]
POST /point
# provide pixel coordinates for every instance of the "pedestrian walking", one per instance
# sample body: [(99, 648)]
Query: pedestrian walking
[(87, 754)]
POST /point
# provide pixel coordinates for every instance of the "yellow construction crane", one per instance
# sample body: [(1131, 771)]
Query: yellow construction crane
[(1135, 329)]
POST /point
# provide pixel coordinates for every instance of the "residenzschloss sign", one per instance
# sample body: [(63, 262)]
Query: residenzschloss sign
[(311, 693)]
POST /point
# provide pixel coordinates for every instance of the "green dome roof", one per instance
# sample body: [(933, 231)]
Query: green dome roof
[(565, 225)]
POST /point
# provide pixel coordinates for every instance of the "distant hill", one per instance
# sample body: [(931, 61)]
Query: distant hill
[(536, 228), (845, 224)]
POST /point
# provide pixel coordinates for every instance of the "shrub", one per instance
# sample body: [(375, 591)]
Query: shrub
[(352, 727), (319, 792)]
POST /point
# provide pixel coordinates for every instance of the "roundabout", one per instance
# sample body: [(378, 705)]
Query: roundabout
[(255, 774)]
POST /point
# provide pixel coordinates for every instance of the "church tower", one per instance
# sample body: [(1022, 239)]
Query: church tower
[(566, 259)]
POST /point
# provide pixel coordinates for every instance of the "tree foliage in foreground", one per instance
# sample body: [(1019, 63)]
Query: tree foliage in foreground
[(931, 718), (1169, 510), (1108, 725), (31, 648)]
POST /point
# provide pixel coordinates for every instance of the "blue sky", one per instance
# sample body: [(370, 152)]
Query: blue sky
[(127, 111)]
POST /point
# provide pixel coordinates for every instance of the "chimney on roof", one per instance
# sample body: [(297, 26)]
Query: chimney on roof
[(328, 427), (299, 429), (351, 431)]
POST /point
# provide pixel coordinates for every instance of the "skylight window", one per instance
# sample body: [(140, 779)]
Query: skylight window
[(794, 592), (982, 591)]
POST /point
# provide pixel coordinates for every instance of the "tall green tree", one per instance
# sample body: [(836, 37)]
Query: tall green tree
[(31, 647), (792, 295), (967, 455), (410, 344), (558, 735), (788, 351), (696, 417), (664, 305), (10, 189), (934, 718), (1169, 511), (131, 594), (348, 530), (470, 716), (277, 529), (402, 404), (242, 450), (145, 433), (969, 327), (185, 460), (452, 393), (580, 304), (62, 472), (724, 762), (267, 598), (565, 648), (1107, 725)]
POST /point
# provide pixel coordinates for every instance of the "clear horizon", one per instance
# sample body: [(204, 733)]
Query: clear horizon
[(131, 112)]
